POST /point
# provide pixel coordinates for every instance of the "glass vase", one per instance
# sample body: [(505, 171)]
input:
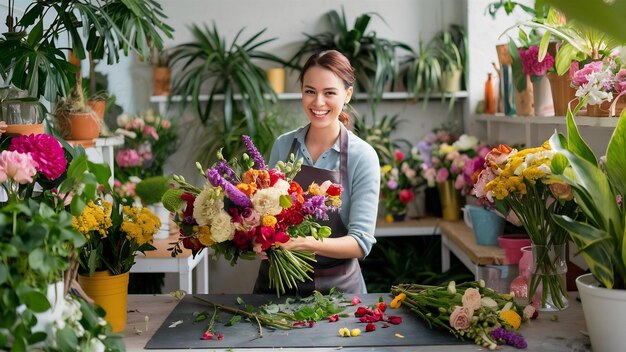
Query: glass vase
[(547, 279)]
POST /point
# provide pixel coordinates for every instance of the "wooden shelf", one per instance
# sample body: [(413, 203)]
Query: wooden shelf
[(607, 122)]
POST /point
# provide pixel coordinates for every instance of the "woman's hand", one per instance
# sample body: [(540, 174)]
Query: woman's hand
[(298, 243), (260, 252)]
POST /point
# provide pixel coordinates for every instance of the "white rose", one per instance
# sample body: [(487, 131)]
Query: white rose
[(222, 228), (123, 119), (471, 299), (466, 142)]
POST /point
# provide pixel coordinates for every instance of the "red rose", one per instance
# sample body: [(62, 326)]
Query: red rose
[(334, 190), (361, 311), (399, 155), (370, 327), (406, 195)]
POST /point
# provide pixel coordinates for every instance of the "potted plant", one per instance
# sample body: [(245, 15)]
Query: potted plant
[(228, 69), (378, 134), (453, 57), (161, 71), (598, 188), (373, 58), (150, 190), (422, 72), (34, 42)]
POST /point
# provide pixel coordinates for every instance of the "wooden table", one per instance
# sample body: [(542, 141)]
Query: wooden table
[(543, 334), (161, 261)]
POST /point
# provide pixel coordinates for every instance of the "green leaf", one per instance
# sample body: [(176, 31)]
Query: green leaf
[(35, 301), (66, 339), (234, 320), (4, 273), (616, 156)]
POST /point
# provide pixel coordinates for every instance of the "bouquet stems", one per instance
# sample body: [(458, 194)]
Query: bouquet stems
[(549, 267), (287, 267)]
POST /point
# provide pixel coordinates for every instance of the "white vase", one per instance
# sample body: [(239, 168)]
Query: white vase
[(45, 320), (542, 97), (164, 215), (604, 311)]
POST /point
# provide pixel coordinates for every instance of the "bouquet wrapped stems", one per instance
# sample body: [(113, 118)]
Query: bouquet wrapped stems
[(549, 268)]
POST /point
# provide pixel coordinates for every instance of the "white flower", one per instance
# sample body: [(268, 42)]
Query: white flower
[(126, 133), (95, 345), (466, 142), (208, 203), (488, 302), (324, 186), (123, 119), (149, 116), (452, 287), (266, 201), (529, 311), (222, 229)]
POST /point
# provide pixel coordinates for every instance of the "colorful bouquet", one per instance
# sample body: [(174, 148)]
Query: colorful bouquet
[(149, 140), (523, 182), (602, 81), (398, 181), (246, 208), (468, 310), (114, 234), (448, 161)]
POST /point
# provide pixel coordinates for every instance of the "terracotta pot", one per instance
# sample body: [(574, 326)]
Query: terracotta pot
[(109, 292), (82, 126), (562, 93), (25, 129), (604, 109), (98, 106), (161, 80)]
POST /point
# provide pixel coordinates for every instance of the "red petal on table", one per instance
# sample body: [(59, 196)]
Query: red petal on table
[(370, 327)]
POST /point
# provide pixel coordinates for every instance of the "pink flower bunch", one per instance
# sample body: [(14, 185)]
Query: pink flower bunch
[(46, 152), (600, 81), (399, 180), (530, 61), (128, 158), (17, 167)]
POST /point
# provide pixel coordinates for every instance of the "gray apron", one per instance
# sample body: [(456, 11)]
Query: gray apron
[(342, 274)]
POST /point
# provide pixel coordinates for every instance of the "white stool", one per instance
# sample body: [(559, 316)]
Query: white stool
[(161, 261)]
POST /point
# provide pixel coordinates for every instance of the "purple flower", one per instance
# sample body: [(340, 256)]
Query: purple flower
[(254, 153), (316, 205), (224, 169), (510, 338), (236, 196), (392, 184)]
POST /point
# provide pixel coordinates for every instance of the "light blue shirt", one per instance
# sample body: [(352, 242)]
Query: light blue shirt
[(359, 208)]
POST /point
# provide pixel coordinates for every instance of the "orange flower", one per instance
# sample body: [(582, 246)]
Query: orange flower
[(295, 189), (260, 178), (248, 188)]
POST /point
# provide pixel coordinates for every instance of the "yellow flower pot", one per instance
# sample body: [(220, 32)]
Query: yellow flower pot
[(109, 292), (450, 201)]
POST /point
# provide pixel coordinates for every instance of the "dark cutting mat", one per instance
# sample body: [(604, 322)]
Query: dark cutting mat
[(324, 334)]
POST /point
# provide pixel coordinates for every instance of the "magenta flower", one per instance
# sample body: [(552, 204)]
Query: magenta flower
[(531, 64), (580, 77), (46, 152), (442, 174), (620, 81), (150, 131), (20, 167), (128, 158)]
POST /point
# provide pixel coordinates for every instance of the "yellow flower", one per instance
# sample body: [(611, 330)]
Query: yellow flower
[(386, 169), (204, 235), (94, 218), (315, 189), (140, 225), (389, 218), (397, 301), (355, 332), (269, 220), (511, 318)]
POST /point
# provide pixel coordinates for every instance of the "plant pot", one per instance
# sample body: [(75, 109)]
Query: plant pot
[(604, 109), (109, 292), (276, 78), (512, 245), (25, 129), (486, 224), (164, 215), (82, 126), (524, 101), (98, 106), (451, 81), (542, 97), (161, 77), (416, 208), (563, 95), (604, 310)]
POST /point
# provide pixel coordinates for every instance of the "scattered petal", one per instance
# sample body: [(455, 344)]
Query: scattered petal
[(345, 332), (370, 327), (355, 332), (400, 336), (175, 324), (395, 320), (333, 318), (220, 336), (356, 300)]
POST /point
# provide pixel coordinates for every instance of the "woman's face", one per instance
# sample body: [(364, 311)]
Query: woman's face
[(323, 96)]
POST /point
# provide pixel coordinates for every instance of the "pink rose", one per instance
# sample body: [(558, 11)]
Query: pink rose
[(20, 167), (620, 81), (399, 155), (150, 131), (461, 318), (485, 176), (128, 158), (580, 77), (471, 298), (442, 174)]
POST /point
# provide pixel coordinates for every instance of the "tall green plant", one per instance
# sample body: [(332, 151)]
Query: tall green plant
[(378, 134), (227, 69), (31, 55), (373, 58)]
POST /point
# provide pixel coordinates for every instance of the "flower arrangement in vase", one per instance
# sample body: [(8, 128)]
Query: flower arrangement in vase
[(246, 208), (523, 182), (398, 182)]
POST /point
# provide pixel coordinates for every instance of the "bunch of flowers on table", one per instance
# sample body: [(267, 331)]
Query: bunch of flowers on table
[(601, 81), (246, 208), (523, 182), (468, 310), (398, 182), (447, 162), (148, 140), (114, 234)]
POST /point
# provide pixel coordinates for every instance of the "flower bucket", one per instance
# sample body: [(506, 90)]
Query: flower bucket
[(542, 98), (164, 215), (486, 224), (604, 109), (109, 292), (450, 199), (512, 245), (562, 93), (604, 310), (524, 100)]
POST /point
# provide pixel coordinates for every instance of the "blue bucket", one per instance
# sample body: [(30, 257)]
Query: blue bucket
[(487, 225)]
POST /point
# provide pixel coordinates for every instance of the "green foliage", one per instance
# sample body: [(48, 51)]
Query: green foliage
[(373, 58), (151, 189), (378, 134), (228, 69), (32, 44)]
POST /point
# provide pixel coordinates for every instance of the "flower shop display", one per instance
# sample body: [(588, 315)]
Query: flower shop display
[(246, 208), (537, 70), (468, 310), (114, 234), (148, 140), (603, 83), (399, 181), (522, 182), (41, 183), (445, 167), (598, 187)]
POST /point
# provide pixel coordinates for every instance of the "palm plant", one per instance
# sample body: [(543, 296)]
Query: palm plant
[(30, 51), (374, 59), (378, 135), (423, 70), (229, 70)]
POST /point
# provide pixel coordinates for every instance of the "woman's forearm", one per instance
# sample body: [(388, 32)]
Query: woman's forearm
[(339, 248)]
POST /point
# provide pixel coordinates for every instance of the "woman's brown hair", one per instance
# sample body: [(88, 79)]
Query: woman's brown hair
[(336, 63)]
